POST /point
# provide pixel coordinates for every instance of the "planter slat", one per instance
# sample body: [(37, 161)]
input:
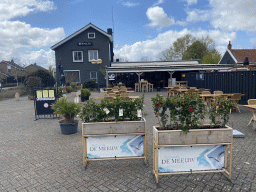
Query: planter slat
[(122, 127), (197, 136)]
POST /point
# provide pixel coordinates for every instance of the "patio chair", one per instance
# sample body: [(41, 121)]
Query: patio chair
[(217, 92), (235, 99), (150, 87), (124, 96), (137, 87), (252, 102)]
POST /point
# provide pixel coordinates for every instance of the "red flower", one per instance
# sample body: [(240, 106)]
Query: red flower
[(183, 103), (159, 104), (191, 110)]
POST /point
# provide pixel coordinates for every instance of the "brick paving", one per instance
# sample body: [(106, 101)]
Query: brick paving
[(35, 156)]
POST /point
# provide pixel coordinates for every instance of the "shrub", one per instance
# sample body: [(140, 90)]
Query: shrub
[(188, 112), (89, 83), (69, 89), (47, 80), (108, 110), (85, 92), (67, 109), (74, 86)]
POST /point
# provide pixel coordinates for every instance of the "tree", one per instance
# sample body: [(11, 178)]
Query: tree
[(195, 51), (213, 57), (50, 69), (47, 79), (176, 51), (166, 55), (179, 49)]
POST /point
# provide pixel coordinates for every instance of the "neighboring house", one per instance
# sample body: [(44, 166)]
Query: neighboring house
[(76, 53), (33, 68), (237, 56), (11, 71)]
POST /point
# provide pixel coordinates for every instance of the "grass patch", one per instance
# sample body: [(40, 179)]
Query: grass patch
[(10, 93)]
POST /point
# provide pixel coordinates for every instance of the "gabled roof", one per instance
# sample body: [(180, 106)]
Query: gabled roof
[(13, 65), (79, 32), (35, 65), (240, 55)]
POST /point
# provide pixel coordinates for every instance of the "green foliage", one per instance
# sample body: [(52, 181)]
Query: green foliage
[(59, 92), (67, 109), (108, 110), (213, 57), (89, 83), (184, 113), (219, 111), (85, 92), (47, 80), (69, 89), (74, 86), (179, 49), (195, 51)]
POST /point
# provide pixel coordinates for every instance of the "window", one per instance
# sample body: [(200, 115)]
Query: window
[(92, 54), (93, 76), (77, 56), (72, 76), (199, 76), (9, 69), (91, 35)]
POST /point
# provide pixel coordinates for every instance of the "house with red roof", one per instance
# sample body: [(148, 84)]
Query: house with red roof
[(238, 56)]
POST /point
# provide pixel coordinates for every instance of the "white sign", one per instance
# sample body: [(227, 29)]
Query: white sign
[(115, 146), (195, 158)]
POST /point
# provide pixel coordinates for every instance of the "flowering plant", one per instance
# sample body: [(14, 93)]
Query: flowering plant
[(219, 111), (188, 112)]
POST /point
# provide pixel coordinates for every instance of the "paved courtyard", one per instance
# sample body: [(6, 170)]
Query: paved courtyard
[(35, 156)]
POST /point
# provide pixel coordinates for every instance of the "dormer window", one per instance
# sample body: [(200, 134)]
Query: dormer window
[(91, 35)]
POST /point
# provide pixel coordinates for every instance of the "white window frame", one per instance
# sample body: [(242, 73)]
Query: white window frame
[(96, 80), (74, 70), (91, 37), (9, 69), (90, 59), (73, 54)]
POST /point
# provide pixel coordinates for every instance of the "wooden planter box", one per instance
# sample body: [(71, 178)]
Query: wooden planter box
[(99, 137), (175, 151)]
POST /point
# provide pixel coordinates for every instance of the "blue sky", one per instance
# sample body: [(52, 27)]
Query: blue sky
[(142, 28)]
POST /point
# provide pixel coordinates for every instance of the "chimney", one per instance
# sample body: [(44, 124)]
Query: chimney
[(109, 31), (229, 46)]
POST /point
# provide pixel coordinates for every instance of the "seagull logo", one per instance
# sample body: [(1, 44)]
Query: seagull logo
[(218, 157), (138, 146)]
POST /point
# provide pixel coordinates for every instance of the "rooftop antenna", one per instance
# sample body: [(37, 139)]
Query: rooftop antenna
[(113, 23)]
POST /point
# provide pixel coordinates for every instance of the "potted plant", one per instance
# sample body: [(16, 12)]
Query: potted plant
[(182, 143), (69, 110), (85, 94), (113, 130)]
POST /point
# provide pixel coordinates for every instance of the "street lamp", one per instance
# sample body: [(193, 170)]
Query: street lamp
[(98, 61)]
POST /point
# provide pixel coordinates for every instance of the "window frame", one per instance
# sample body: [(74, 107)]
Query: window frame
[(77, 61), (96, 80), (91, 37), (89, 59), (79, 75)]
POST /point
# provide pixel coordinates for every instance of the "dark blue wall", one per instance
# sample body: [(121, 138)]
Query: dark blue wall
[(100, 43), (227, 59)]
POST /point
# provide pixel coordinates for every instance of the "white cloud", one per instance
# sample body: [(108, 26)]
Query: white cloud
[(152, 48), (10, 9), (227, 15), (252, 40), (190, 2), (198, 15), (158, 3), (158, 17), (129, 4), (20, 40)]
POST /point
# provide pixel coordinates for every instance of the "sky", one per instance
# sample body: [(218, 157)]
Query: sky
[(141, 28)]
